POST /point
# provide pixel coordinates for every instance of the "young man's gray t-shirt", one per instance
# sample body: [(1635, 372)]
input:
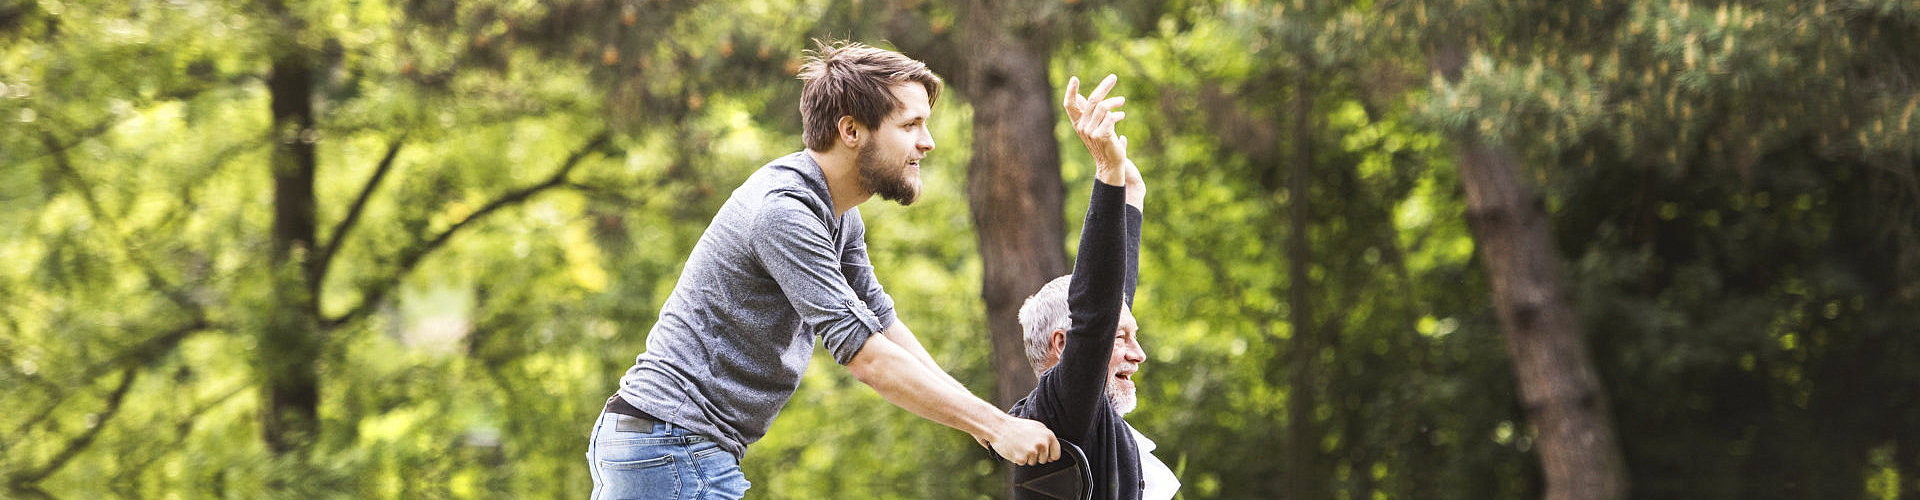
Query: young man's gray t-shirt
[(774, 271)]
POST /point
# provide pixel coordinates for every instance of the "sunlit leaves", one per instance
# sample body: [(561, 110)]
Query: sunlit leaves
[(1726, 179)]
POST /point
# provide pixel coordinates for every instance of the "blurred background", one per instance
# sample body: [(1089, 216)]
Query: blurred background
[(1394, 249)]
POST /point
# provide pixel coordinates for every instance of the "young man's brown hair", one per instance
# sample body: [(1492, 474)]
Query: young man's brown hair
[(851, 79)]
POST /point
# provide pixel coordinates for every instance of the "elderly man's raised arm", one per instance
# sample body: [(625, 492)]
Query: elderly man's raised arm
[(1075, 388)]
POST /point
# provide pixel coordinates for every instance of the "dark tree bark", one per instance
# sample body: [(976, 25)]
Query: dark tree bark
[(289, 342), (1559, 387), (1302, 436), (1014, 191), (1013, 181)]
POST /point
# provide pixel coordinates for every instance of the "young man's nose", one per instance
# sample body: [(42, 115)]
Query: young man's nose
[(926, 141)]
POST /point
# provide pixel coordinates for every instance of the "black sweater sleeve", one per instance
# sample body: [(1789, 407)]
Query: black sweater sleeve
[(1074, 391), (1134, 218)]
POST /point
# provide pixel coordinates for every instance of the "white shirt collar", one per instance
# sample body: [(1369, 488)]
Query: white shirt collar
[(1160, 481)]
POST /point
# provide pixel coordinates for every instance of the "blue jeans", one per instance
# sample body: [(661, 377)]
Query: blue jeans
[(658, 463)]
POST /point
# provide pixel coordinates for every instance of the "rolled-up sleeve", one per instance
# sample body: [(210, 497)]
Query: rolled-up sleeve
[(797, 249), (859, 271)]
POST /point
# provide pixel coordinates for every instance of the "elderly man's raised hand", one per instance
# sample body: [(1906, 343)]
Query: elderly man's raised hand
[(1093, 117)]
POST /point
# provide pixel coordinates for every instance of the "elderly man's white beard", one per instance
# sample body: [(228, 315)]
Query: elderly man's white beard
[(1123, 400)]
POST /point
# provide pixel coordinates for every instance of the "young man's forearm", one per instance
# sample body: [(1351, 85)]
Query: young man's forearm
[(910, 384), (906, 382), (904, 338)]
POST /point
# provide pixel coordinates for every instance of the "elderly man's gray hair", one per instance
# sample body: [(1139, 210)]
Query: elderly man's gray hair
[(1043, 313)]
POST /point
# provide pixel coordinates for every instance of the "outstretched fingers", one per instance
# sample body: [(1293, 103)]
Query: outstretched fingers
[(1094, 118), (1091, 109), (1100, 91), (1105, 117), (1105, 130), (1072, 101), (1098, 115)]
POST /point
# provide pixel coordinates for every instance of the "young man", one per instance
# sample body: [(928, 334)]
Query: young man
[(783, 264), (1081, 335)]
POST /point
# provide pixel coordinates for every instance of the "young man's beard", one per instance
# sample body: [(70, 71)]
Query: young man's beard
[(890, 183)]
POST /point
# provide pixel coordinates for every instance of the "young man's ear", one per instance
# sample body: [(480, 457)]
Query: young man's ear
[(849, 131)]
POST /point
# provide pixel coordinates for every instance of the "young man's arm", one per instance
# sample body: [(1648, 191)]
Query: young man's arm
[(908, 383), (858, 269), (904, 338), (797, 251)]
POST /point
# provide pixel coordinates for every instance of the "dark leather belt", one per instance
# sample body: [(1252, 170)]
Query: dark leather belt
[(637, 421)]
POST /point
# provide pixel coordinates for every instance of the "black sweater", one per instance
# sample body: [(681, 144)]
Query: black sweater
[(1071, 398)]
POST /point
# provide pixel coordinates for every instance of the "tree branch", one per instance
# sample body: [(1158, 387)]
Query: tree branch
[(420, 250), (108, 125), (603, 193), (353, 213), (159, 283), (149, 350), (129, 359), (56, 396), (31, 492), (182, 428), (1221, 112), (154, 347), (80, 443)]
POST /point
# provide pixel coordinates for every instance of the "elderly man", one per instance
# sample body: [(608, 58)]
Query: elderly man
[(1080, 333)]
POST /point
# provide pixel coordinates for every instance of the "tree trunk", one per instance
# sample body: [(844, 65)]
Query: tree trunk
[(1014, 191), (1013, 181), (1302, 437), (1906, 458), (1559, 387), (289, 338)]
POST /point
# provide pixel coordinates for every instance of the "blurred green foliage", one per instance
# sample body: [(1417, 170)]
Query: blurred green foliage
[(1733, 188)]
